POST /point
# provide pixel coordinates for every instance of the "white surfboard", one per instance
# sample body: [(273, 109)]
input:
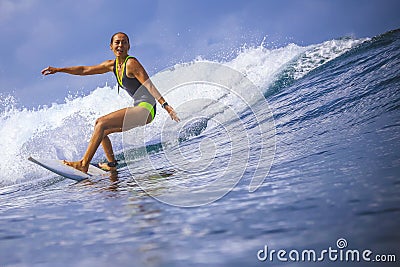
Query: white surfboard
[(58, 167)]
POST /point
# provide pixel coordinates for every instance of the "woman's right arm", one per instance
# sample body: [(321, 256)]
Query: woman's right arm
[(101, 68)]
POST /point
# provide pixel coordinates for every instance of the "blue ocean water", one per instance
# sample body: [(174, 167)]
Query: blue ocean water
[(334, 175)]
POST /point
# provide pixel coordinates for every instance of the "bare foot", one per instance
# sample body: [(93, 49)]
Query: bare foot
[(77, 165), (105, 167)]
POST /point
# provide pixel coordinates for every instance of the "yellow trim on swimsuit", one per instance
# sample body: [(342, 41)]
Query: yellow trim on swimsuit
[(149, 107), (123, 70)]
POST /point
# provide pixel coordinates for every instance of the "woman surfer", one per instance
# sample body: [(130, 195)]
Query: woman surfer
[(133, 78)]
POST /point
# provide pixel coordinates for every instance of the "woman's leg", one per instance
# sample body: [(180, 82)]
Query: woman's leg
[(107, 147), (113, 122)]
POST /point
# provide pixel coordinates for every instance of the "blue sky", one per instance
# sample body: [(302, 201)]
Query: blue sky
[(38, 33)]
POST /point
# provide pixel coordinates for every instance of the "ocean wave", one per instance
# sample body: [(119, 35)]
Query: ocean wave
[(63, 130)]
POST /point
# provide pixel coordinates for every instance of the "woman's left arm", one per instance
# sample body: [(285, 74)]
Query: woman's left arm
[(135, 70)]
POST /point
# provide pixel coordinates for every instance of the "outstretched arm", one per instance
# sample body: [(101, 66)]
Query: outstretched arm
[(135, 69), (101, 68)]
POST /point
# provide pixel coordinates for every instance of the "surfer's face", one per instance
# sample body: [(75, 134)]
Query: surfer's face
[(120, 45)]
